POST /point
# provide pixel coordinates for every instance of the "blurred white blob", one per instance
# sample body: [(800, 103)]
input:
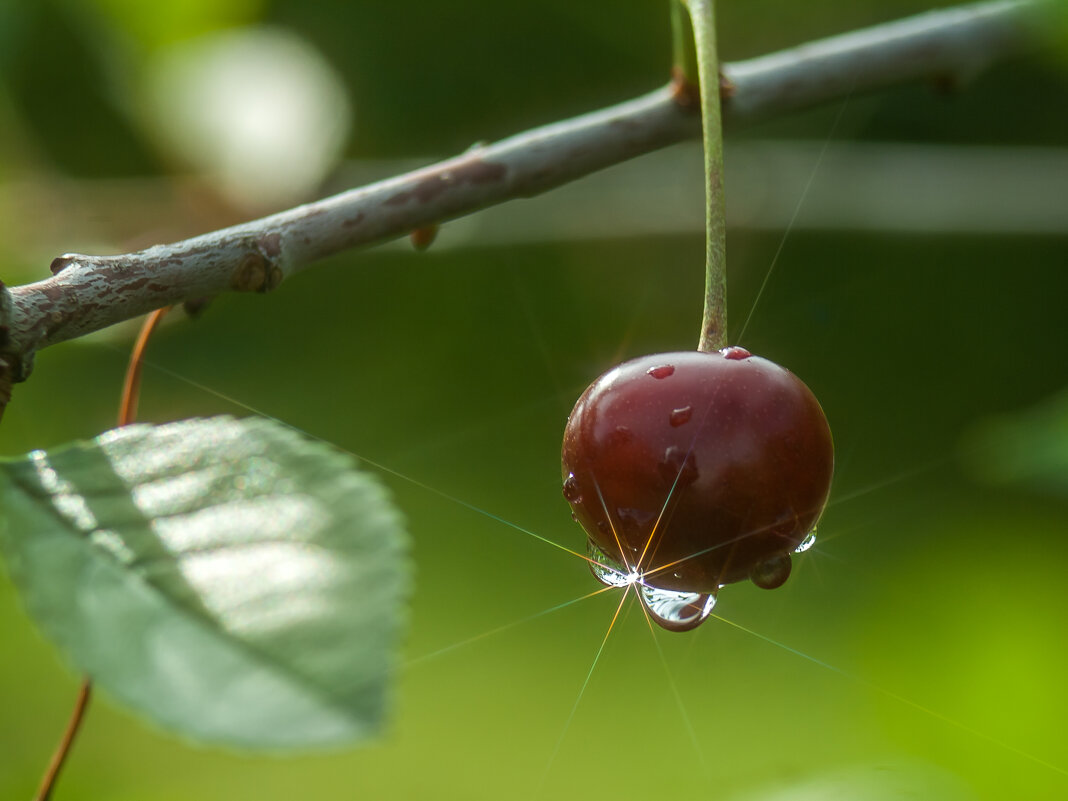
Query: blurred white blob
[(891, 780), (257, 111)]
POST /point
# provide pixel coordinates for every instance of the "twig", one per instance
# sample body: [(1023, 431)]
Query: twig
[(131, 387), (131, 391), (88, 293), (81, 703)]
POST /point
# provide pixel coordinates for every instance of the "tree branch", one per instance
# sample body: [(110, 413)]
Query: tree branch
[(87, 293)]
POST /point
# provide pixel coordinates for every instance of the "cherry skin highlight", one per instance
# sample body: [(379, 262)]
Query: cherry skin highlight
[(698, 469)]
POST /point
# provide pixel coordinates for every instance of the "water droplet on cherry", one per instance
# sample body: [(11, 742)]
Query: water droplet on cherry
[(681, 416), (676, 611), (605, 569), (571, 489), (771, 573), (735, 353), (661, 371), (807, 542)]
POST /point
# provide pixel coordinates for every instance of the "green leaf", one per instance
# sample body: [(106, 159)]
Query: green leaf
[(230, 579)]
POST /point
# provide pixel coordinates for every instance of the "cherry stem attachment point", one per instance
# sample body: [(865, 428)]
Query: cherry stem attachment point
[(714, 320)]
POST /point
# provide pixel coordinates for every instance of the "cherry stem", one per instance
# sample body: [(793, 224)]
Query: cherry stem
[(683, 57), (714, 320), (81, 704), (131, 391)]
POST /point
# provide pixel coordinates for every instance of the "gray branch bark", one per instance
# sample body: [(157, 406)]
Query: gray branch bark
[(87, 293)]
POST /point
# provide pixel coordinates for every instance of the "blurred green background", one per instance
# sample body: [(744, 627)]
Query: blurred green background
[(918, 650)]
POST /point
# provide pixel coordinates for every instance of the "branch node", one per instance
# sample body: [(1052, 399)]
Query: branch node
[(687, 94), (423, 237), (684, 93), (727, 87), (250, 275), (61, 263), (274, 278)]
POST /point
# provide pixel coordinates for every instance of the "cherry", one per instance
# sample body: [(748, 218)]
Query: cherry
[(697, 470)]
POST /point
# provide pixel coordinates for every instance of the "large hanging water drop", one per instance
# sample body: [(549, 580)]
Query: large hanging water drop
[(676, 611)]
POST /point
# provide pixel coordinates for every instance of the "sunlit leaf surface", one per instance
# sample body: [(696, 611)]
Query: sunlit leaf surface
[(230, 579)]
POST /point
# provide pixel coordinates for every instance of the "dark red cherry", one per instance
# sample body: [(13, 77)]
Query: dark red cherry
[(698, 469)]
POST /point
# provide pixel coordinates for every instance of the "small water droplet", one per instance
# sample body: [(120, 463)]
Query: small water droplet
[(571, 489), (734, 353), (607, 570), (661, 371), (771, 573), (678, 467), (807, 542), (676, 611), (681, 416)]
